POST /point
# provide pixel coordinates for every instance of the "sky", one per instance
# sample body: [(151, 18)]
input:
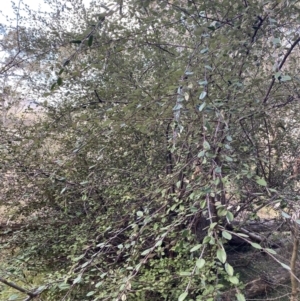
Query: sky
[(6, 8)]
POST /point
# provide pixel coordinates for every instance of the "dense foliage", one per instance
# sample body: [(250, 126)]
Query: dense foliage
[(160, 124)]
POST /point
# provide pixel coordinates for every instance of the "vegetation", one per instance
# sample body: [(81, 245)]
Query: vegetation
[(164, 128)]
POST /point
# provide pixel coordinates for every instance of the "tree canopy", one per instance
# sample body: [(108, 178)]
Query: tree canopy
[(162, 125)]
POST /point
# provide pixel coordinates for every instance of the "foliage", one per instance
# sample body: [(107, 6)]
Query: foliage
[(162, 123)]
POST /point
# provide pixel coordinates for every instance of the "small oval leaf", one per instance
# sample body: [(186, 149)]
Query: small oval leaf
[(226, 235), (261, 182), (59, 81), (146, 252), (240, 297), (271, 251), (285, 215), (90, 41), (206, 145), (256, 246), (195, 248), (77, 279), (233, 279), (221, 254), (229, 216), (182, 296), (229, 269), (202, 106), (285, 78), (200, 263), (202, 95)]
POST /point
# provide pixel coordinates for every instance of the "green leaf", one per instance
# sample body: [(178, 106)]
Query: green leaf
[(182, 296), (221, 254), (277, 75), (206, 239), (77, 279), (66, 63), (202, 106), (228, 159), (242, 235), (270, 251), (229, 269), (140, 213), (53, 86), (202, 95), (185, 273), (240, 297), (256, 246), (285, 78), (75, 41), (233, 279), (226, 235), (186, 96), (229, 216), (41, 288), (218, 169), (222, 211), (146, 252), (195, 248), (158, 243), (201, 154), (85, 264), (13, 297), (63, 190), (59, 81), (285, 215), (90, 293), (98, 284), (64, 286), (212, 225), (90, 41), (200, 263), (202, 204), (285, 266), (177, 107), (261, 181), (206, 145), (203, 83), (276, 41)]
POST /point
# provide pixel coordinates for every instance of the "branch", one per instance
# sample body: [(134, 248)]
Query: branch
[(20, 289), (279, 67), (289, 100), (261, 21), (97, 95)]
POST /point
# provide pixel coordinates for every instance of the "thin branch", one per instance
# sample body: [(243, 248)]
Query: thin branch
[(279, 67), (289, 100), (97, 95)]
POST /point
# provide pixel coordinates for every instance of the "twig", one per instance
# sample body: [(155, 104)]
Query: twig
[(279, 67)]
